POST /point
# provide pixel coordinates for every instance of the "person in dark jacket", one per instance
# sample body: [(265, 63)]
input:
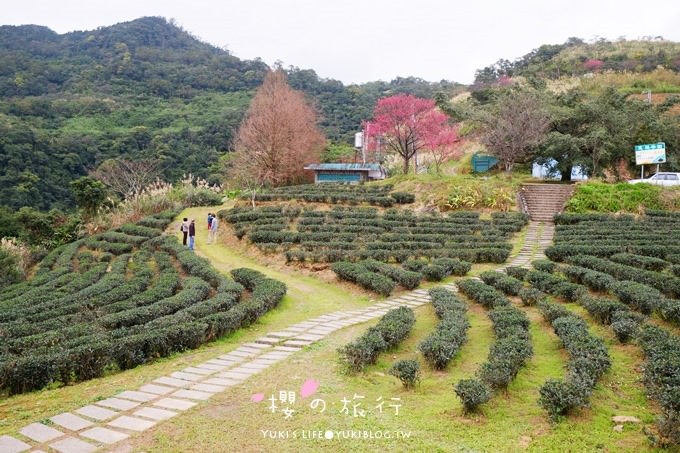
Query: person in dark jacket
[(192, 234)]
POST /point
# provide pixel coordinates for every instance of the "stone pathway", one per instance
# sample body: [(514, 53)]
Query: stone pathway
[(114, 419), (539, 237)]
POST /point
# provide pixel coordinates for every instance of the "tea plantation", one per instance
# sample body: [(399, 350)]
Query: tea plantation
[(116, 300)]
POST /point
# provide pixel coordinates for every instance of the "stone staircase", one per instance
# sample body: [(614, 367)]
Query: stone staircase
[(543, 201)]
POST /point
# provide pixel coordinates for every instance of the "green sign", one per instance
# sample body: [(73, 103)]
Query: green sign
[(652, 153)]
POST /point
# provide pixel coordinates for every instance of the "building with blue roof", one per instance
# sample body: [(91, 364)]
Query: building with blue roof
[(346, 173)]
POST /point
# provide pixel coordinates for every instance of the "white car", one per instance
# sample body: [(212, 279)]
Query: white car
[(660, 179)]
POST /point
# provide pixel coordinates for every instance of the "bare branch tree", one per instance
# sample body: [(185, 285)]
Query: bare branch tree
[(515, 126), (127, 177)]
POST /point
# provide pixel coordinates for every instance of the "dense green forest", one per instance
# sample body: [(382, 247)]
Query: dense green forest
[(144, 89), (147, 89)]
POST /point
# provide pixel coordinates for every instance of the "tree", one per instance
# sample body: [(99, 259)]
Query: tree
[(406, 124), (89, 194), (278, 135), (444, 146), (597, 131), (515, 124), (128, 178)]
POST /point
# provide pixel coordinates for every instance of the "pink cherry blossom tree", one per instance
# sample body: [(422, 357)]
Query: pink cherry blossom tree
[(444, 146), (406, 124)]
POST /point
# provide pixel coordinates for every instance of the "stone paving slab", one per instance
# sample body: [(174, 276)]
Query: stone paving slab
[(256, 345), (263, 363), (294, 329), (186, 376), (269, 340), (212, 388), (198, 370), (249, 350), (104, 435), (224, 362), (210, 366), (309, 337), (40, 433), (322, 332), (238, 355), (131, 423), (96, 412), (283, 334), (193, 395), (173, 403), (172, 382), (70, 421), (256, 365), (297, 343), (133, 395), (115, 403), (247, 371), (286, 348), (9, 444), (156, 389), (221, 382), (238, 377), (72, 445), (154, 413)]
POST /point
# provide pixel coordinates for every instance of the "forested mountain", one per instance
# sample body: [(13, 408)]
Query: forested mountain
[(140, 89)]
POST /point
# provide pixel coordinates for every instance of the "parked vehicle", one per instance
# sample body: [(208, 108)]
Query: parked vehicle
[(660, 179)]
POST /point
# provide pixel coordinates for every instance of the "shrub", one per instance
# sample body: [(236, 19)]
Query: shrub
[(434, 273), (356, 273), (559, 397), (472, 393), (625, 329), (453, 266), (640, 297), (441, 346), (405, 278), (483, 293), (531, 296), (509, 285), (407, 371), (392, 328), (414, 265), (403, 197), (643, 262), (588, 361), (517, 272), (544, 266)]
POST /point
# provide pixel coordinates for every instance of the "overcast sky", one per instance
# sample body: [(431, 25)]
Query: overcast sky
[(365, 40)]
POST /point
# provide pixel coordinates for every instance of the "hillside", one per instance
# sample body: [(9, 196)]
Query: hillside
[(576, 57), (140, 89)]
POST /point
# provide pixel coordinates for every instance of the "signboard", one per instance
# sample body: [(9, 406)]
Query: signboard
[(653, 153), (359, 140)]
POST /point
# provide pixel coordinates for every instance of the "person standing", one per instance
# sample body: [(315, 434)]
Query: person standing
[(185, 231), (192, 234), (210, 217), (214, 225)]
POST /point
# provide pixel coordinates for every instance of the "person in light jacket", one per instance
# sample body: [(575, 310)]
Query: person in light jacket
[(212, 235), (185, 230)]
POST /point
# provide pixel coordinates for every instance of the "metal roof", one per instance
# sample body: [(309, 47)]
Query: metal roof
[(343, 167)]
